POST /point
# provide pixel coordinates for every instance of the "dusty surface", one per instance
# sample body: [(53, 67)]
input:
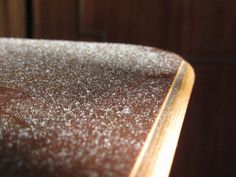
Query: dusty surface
[(78, 109)]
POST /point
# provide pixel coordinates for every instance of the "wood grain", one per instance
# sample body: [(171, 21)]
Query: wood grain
[(2, 21), (55, 19), (13, 18), (191, 28)]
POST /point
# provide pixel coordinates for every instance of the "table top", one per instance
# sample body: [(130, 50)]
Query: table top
[(89, 109)]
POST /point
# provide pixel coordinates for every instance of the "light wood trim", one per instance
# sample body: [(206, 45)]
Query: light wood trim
[(157, 154)]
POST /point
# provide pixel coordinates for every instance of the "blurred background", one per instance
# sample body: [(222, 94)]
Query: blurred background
[(203, 32)]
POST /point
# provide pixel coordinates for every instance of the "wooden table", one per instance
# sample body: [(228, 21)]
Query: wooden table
[(89, 109)]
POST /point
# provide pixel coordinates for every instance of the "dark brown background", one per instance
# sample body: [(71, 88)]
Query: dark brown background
[(203, 31)]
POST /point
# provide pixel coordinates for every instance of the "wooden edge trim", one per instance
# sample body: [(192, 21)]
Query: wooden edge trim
[(158, 151)]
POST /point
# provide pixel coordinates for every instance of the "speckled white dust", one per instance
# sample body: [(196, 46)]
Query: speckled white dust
[(77, 108)]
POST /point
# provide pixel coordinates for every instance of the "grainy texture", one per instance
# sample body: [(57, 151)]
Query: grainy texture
[(78, 109)]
